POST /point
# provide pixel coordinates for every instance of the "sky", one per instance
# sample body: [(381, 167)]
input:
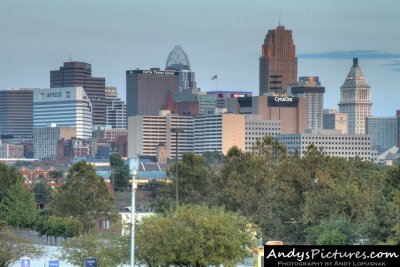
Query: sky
[(222, 37)]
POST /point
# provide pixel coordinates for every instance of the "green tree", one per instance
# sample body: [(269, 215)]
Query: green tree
[(84, 196), (54, 226), (12, 247), (42, 193), (194, 184), (120, 173), (9, 175), (110, 250), (194, 236), (335, 231), (18, 207)]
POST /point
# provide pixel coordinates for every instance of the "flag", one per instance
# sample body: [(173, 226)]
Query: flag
[(214, 77)]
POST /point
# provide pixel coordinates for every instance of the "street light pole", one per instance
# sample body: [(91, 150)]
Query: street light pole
[(176, 131), (133, 168)]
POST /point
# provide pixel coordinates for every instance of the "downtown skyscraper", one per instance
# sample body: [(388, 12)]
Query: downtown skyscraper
[(278, 61), (74, 74), (355, 99)]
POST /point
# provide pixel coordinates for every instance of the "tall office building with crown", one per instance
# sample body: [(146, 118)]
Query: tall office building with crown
[(74, 74), (278, 62), (355, 99), (179, 61)]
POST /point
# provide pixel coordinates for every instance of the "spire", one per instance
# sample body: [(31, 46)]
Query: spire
[(279, 23), (355, 62)]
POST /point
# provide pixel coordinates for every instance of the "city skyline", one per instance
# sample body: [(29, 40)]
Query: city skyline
[(219, 37)]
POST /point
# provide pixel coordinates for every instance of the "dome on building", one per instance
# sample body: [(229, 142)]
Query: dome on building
[(355, 78), (177, 60)]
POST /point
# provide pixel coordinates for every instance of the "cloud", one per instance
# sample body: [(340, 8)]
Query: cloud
[(393, 65), (362, 54)]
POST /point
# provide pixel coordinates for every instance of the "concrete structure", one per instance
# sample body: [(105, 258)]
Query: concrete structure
[(311, 88), (256, 128), (45, 140), (278, 57), (115, 109), (64, 107), (333, 143), (333, 120), (178, 61), (147, 90), (110, 134), (355, 99), (11, 151), (291, 111), (16, 113), (219, 133), (383, 131), (74, 74), (147, 133), (222, 96)]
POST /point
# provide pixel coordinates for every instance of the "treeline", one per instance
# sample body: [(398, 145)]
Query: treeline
[(70, 210), (315, 199)]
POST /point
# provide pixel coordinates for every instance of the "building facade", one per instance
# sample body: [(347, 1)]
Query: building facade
[(63, 107), (278, 58), (115, 109), (383, 131), (147, 90), (333, 120), (45, 140), (355, 99), (11, 151), (179, 61), (289, 110), (16, 114), (311, 88), (74, 74), (218, 133), (257, 128), (332, 143), (222, 96), (147, 133)]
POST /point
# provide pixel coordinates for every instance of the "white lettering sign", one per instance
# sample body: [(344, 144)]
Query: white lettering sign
[(283, 99)]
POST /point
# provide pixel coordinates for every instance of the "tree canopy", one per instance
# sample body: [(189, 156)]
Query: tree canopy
[(13, 248), (18, 207), (290, 197), (84, 196), (194, 236)]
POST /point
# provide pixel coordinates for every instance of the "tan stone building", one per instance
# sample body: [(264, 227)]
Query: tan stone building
[(291, 111)]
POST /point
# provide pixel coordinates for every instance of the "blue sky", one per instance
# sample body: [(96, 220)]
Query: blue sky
[(221, 37)]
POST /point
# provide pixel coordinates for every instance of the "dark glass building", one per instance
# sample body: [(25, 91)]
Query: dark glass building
[(16, 114), (278, 62), (74, 74), (147, 90)]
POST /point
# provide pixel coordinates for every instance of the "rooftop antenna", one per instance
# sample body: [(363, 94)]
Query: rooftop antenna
[(279, 23), (70, 58)]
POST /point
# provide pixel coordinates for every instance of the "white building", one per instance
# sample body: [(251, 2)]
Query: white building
[(355, 99), (65, 107), (257, 128), (333, 143), (146, 133)]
